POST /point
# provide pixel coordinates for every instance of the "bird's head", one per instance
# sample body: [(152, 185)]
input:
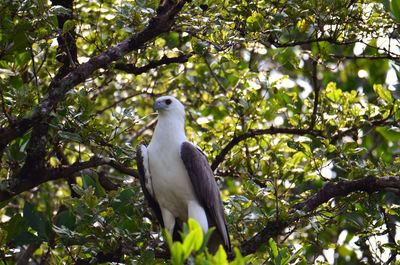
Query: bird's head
[(169, 105)]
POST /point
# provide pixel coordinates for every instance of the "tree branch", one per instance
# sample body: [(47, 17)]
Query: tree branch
[(253, 133), (131, 69), (116, 103), (36, 150), (275, 228), (27, 254), (294, 131), (213, 74), (271, 40), (367, 57), (125, 170), (37, 177)]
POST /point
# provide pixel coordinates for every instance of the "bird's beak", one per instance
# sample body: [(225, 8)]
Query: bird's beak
[(156, 105)]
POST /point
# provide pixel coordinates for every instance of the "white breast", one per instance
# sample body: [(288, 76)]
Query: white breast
[(171, 184)]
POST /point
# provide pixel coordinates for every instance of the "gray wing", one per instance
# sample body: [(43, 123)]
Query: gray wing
[(142, 161), (206, 188)]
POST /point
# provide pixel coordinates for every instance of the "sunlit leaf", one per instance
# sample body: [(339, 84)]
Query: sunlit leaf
[(389, 134), (383, 93)]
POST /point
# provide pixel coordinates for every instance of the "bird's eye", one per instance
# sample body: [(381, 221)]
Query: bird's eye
[(168, 101)]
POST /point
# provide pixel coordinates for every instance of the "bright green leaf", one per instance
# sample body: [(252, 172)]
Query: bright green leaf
[(273, 247), (389, 134), (383, 93)]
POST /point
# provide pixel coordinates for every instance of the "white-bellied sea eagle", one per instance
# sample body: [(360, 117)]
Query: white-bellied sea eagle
[(177, 179)]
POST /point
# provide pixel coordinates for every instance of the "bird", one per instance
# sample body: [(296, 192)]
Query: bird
[(177, 180)]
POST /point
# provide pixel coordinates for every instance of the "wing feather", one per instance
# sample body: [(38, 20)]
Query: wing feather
[(142, 162), (206, 188)]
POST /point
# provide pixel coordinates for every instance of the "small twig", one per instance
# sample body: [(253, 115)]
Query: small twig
[(213, 74), (316, 93), (115, 103), (368, 57), (142, 130)]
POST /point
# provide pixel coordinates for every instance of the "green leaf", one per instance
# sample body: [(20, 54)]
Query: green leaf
[(68, 25), (60, 10), (88, 181), (5, 203), (199, 47), (65, 218), (70, 136), (69, 237), (168, 236), (37, 221), (274, 248), (78, 189), (284, 256), (239, 259), (395, 8), (197, 232), (189, 244), (383, 93), (220, 257), (295, 255), (389, 134), (15, 226), (100, 191), (123, 199), (255, 22), (177, 253), (333, 93), (26, 238), (207, 237), (3, 237)]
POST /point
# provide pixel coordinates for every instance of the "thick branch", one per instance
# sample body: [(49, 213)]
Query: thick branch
[(37, 177), (253, 133), (36, 150), (368, 184), (130, 68), (332, 190)]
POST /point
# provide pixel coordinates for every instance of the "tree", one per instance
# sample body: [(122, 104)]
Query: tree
[(290, 100)]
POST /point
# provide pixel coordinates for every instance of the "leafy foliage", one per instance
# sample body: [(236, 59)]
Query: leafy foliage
[(286, 98)]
